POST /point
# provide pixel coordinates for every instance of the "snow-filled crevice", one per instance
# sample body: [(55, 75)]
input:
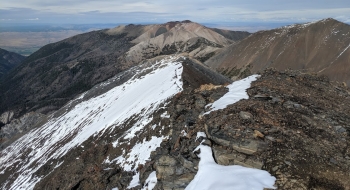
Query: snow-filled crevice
[(150, 182), (341, 53), (237, 91), (211, 175), (139, 97)]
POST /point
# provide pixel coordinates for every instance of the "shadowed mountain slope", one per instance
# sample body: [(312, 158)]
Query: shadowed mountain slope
[(8, 60), (233, 35), (59, 71)]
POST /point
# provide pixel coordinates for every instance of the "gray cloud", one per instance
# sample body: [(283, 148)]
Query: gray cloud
[(135, 11)]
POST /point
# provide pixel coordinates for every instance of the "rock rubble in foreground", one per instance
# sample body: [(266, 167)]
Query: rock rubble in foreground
[(295, 126)]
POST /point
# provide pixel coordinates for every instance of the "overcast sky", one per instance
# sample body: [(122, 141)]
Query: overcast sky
[(158, 11)]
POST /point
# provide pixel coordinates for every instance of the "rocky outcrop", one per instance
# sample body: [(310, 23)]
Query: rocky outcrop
[(295, 127), (175, 162), (282, 128), (18, 127), (6, 117)]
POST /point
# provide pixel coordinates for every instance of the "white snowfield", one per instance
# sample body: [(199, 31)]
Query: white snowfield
[(237, 91), (138, 97), (211, 176)]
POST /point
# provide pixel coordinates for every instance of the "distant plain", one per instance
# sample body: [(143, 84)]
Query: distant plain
[(26, 39)]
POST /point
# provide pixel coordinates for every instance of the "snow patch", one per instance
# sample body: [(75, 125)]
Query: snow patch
[(337, 57), (343, 51), (140, 124), (301, 25), (201, 134), (139, 154), (135, 181), (153, 126), (210, 175), (183, 133), (150, 182), (237, 91), (165, 115)]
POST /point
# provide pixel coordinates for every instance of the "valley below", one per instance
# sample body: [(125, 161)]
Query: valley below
[(26, 43)]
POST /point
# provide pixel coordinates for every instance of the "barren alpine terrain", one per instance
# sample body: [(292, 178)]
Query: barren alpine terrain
[(180, 106), (320, 47)]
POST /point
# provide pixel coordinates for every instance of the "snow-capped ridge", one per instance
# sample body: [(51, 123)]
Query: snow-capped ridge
[(138, 97)]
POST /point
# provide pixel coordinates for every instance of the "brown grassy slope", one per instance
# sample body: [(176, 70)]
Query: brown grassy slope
[(321, 47)]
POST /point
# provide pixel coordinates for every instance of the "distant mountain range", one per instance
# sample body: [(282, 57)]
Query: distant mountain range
[(57, 72)]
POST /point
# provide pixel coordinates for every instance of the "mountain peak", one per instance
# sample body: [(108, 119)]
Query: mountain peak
[(332, 21), (184, 21), (326, 21)]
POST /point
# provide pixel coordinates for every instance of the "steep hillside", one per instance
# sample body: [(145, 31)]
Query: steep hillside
[(8, 60), (117, 111), (58, 72), (321, 47), (160, 125)]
